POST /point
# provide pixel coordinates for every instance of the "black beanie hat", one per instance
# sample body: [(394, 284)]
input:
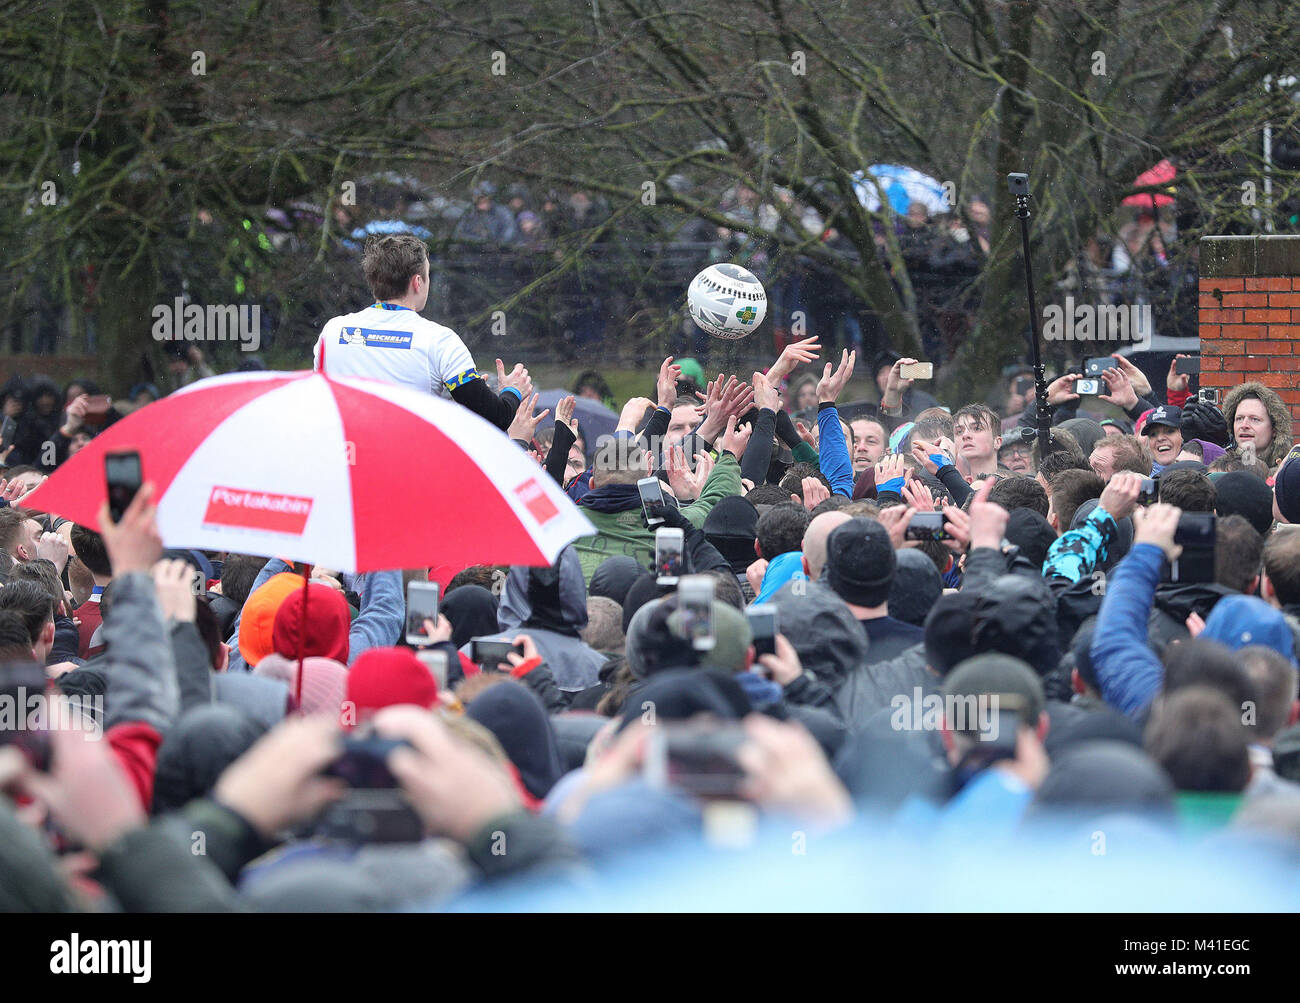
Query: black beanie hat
[(732, 527), (1286, 486), (948, 630), (917, 586), (1031, 533), (1240, 492), (860, 562)]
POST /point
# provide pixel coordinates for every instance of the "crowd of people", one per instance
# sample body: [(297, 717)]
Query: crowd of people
[(492, 242), (890, 635)]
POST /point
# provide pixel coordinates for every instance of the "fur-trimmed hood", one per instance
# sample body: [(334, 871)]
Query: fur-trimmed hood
[(1278, 412)]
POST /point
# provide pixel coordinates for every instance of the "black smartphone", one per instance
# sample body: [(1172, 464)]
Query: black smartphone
[(421, 605), (652, 493), (1196, 534), (1024, 384), (926, 526), (1187, 367), (370, 815), (1150, 490), (124, 475), (490, 653), (1094, 367), (763, 628), (364, 762), (1087, 388)]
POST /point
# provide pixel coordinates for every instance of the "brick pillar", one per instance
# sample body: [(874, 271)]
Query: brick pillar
[(1250, 313)]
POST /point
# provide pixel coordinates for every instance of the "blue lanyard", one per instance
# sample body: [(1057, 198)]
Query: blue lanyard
[(390, 306)]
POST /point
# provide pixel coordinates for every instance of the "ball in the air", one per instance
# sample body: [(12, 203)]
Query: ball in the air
[(727, 301)]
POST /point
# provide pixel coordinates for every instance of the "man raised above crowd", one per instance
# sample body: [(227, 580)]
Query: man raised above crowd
[(391, 342)]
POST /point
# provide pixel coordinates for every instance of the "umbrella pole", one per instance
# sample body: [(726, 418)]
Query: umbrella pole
[(302, 638), (1044, 416)]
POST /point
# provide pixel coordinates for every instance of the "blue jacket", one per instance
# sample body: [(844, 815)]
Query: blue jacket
[(781, 569), (1128, 671), (1080, 550), (833, 452)]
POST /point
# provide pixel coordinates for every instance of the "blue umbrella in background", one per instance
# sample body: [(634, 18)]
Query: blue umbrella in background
[(902, 186)]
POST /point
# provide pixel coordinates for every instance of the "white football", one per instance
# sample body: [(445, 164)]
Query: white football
[(727, 301)]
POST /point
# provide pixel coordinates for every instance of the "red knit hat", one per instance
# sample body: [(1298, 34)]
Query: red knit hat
[(328, 623), (382, 677)]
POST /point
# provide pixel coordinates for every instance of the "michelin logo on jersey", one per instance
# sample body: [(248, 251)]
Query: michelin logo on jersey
[(371, 338)]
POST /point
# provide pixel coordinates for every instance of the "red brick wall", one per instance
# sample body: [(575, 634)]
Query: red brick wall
[(1250, 330)]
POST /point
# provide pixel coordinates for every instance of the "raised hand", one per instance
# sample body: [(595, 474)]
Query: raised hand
[(832, 384), (564, 412), (891, 467), (54, 547), (679, 473), (1061, 389), (765, 395), (1141, 385), (1177, 382), (525, 422), (699, 477), (988, 520), (173, 584), (814, 492), (895, 384), (918, 496), (1121, 389), (633, 411), (76, 415), (734, 440), (956, 524), (1157, 525), (518, 379), (133, 544), (793, 355), (666, 383)]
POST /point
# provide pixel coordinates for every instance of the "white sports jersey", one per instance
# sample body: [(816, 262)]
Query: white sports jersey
[(396, 346)]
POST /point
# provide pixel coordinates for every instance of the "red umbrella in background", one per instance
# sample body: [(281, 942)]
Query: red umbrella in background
[(1162, 173)]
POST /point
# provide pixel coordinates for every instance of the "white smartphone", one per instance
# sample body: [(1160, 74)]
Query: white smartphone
[(695, 602), (652, 493), (436, 662), (421, 605), (669, 543)]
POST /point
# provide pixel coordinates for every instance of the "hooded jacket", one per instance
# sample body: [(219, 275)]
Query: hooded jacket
[(833, 648), (203, 742), (615, 512), (515, 715), (550, 606), (1278, 413)]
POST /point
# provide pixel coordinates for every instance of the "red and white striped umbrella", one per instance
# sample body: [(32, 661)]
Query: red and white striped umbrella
[(351, 474)]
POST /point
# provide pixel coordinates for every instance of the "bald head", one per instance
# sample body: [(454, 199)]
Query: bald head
[(814, 541)]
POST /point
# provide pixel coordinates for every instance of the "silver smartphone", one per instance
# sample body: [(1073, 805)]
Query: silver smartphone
[(421, 605)]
